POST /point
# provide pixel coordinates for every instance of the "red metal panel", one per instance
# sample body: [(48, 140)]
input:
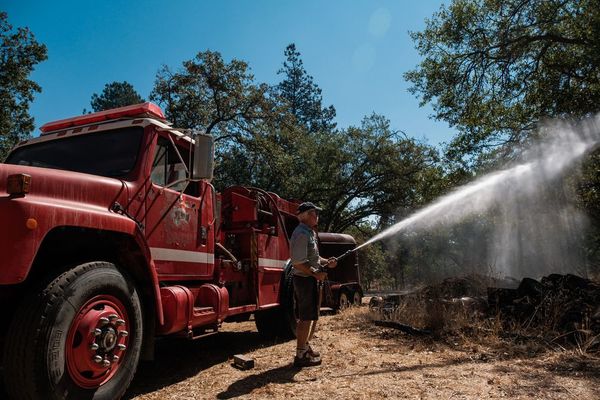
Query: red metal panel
[(269, 281), (177, 307), (243, 208), (210, 295), (180, 227), (273, 251), (56, 198)]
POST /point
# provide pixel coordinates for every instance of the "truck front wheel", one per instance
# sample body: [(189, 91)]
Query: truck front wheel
[(78, 338)]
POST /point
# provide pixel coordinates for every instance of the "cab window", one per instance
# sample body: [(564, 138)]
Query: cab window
[(167, 167)]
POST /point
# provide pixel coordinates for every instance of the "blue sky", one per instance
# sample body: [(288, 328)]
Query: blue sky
[(357, 51)]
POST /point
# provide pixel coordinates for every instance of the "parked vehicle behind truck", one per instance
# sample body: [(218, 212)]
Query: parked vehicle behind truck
[(112, 234), (342, 288)]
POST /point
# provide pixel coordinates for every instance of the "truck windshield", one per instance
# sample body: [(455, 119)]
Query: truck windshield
[(107, 153)]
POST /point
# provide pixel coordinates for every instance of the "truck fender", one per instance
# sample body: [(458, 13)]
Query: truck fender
[(141, 241)]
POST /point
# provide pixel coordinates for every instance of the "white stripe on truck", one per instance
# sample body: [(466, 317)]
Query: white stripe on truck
[(161, 254)]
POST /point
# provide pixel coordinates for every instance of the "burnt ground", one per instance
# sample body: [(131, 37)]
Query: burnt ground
[(365, 361)]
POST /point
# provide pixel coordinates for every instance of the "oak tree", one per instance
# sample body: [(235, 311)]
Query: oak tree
[(19, 54)]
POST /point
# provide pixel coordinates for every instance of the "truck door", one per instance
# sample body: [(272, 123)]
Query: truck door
[(178, 216)]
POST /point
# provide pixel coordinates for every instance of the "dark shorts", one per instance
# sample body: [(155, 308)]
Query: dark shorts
[(307, 296)]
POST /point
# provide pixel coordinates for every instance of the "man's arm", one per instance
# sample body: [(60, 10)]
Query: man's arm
[(299, 256), (306, 268)]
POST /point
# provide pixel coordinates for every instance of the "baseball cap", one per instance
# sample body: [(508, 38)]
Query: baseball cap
[(307, 205)]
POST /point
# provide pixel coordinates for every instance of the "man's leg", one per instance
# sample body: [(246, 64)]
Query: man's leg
[(303, 329), (304, 289), (313, 326), (304, 357)]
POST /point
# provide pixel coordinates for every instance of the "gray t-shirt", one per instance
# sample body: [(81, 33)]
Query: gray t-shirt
[(303, 248)]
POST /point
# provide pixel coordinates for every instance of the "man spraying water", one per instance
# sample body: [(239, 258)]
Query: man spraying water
[(307, 273)]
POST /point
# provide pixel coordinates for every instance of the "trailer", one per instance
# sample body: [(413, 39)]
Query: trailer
[(342, 288)]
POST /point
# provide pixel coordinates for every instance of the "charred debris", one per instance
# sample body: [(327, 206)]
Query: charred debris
[(562, 309)]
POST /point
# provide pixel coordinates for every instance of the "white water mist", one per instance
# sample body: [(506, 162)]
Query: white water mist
[(535, 226)]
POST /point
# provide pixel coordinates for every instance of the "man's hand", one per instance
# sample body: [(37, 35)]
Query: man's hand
[(320, 276), (331, 262)]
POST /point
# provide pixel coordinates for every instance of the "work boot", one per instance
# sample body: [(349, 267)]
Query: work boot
[(313, 352), (306, 360)]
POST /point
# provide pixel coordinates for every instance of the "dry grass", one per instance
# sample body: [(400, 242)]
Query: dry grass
[(363, 361), (469, 323)]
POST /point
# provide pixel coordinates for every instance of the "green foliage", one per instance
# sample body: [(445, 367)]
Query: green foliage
[(494, 68), (284, 141), (369, 171), (19, 53), (354, 174), (209, 94), (114, 95), (588, 190)]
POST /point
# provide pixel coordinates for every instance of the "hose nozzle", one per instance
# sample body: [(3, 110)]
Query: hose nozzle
[(346, 254)]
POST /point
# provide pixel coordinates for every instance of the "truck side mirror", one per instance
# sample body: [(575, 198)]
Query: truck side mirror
[(204, 156)]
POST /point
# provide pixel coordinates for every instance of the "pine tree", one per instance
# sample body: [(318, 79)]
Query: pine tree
[(302, 96), (114, 95)]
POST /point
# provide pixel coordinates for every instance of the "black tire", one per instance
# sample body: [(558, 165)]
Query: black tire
[(288, 303), (356, 299), (268, 322), (36, 348), (279, 322), (344, 301)]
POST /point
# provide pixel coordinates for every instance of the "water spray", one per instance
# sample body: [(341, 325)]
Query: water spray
[(515, 191)]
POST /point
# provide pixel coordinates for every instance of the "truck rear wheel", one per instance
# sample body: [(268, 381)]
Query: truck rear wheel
[(78, 338), (357, 300), (344, 301), (279, 322)]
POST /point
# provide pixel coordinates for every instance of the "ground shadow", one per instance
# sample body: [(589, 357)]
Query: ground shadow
[(178, 359), (283, 374)]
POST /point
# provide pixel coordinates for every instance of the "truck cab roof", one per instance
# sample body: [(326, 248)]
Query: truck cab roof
[(143, 110)]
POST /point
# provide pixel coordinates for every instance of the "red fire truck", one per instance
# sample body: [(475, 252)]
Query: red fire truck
[(112, 234)]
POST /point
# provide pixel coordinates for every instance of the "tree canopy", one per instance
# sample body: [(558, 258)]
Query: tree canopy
[(280, 138), (19, 54), (357, 173), (114, 95), (212, 95), (494, 68)]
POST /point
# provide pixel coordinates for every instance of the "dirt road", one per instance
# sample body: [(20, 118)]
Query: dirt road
[(363, 361)]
